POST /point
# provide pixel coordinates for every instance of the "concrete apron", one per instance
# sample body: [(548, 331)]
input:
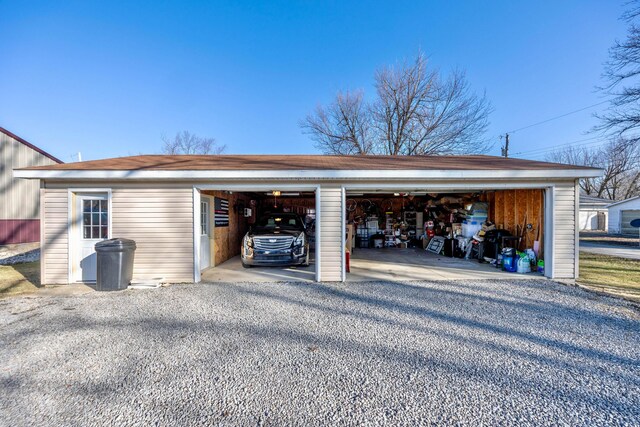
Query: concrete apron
[(369, 265), (418, 264)]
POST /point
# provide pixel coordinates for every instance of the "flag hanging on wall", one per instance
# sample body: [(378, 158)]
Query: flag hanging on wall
[(221, 212)]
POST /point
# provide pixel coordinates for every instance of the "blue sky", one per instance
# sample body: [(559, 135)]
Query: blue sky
[(110, 78)]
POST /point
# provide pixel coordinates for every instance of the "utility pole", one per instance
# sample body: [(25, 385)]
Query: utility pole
[(505, 148)]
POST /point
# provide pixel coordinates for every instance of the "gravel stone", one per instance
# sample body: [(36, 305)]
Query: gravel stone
[(467, 353)]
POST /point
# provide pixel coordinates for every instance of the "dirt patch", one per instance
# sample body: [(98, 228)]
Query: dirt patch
[(19, 278)]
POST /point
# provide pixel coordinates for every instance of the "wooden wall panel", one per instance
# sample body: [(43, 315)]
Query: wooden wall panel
[(513, 209), (227, 240)]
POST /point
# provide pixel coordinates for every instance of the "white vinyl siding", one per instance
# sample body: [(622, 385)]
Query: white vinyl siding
[(160, 220), (564, 228), (54, 233), (331, 240)]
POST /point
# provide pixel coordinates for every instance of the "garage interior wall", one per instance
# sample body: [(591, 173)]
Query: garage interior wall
[(510, 209), (226, 241)]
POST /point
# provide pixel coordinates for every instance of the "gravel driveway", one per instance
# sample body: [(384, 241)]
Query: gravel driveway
[(382, 353)]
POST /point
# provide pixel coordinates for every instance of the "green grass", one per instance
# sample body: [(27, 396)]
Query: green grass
[(613, 275), (19, 278)]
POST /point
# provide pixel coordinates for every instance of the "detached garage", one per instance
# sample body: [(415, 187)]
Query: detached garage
[(190, 215), (621, 214)]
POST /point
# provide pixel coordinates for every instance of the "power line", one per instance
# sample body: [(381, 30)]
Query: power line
[(599, 137), (552, 149), (557, 117)]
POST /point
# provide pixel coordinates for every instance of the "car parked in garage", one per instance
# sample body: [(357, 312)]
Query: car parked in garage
[(276, 239)]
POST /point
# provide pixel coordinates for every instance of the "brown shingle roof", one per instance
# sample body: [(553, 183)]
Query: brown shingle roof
[(306, 162)]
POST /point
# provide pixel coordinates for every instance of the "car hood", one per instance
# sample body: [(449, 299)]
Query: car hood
[(274, 233)]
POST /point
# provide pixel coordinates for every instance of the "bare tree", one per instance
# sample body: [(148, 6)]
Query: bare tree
[(187, 143), (417, 111), (622, 72), (620, 160), (343, 127)]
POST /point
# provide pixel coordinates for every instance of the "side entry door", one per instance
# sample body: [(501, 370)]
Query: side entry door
[(205, 232), (92, 226)]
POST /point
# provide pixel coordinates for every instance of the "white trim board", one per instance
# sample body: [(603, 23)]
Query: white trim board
[(310, 174), (196, 236), (318, 258)]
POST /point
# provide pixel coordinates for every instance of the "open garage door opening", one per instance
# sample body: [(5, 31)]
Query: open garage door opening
[(427, 235), (257, 235)]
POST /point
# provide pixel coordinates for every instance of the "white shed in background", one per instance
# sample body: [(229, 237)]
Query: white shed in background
[(621, 214), (593, 213)]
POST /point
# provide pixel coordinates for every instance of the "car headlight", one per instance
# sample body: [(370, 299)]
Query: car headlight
[(299, 241), (247, 241)]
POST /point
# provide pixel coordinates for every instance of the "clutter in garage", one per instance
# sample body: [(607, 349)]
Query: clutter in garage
[(502, 227)]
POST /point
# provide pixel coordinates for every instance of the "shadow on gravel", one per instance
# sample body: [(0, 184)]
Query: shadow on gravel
[(421, 293), (406, 308)]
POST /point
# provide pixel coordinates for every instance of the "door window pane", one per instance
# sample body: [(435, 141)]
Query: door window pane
[(95, 219), (204, 218)]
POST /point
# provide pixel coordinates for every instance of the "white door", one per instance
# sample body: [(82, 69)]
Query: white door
[(205, 232), (92, 226)]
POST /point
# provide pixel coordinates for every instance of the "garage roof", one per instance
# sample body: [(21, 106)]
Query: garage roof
[(307, 162), (306, 166)]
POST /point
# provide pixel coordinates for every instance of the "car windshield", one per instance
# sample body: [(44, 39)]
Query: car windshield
[(280, 221)]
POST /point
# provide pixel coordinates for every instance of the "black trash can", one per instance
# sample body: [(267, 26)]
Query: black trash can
[(115, 264)]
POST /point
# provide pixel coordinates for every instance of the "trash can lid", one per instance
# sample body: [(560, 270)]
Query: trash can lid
[(117, 243)]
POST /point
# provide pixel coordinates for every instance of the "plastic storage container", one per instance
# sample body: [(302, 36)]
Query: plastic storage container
[(524, 265), (509, 260), (469, 228), (115, 264)]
